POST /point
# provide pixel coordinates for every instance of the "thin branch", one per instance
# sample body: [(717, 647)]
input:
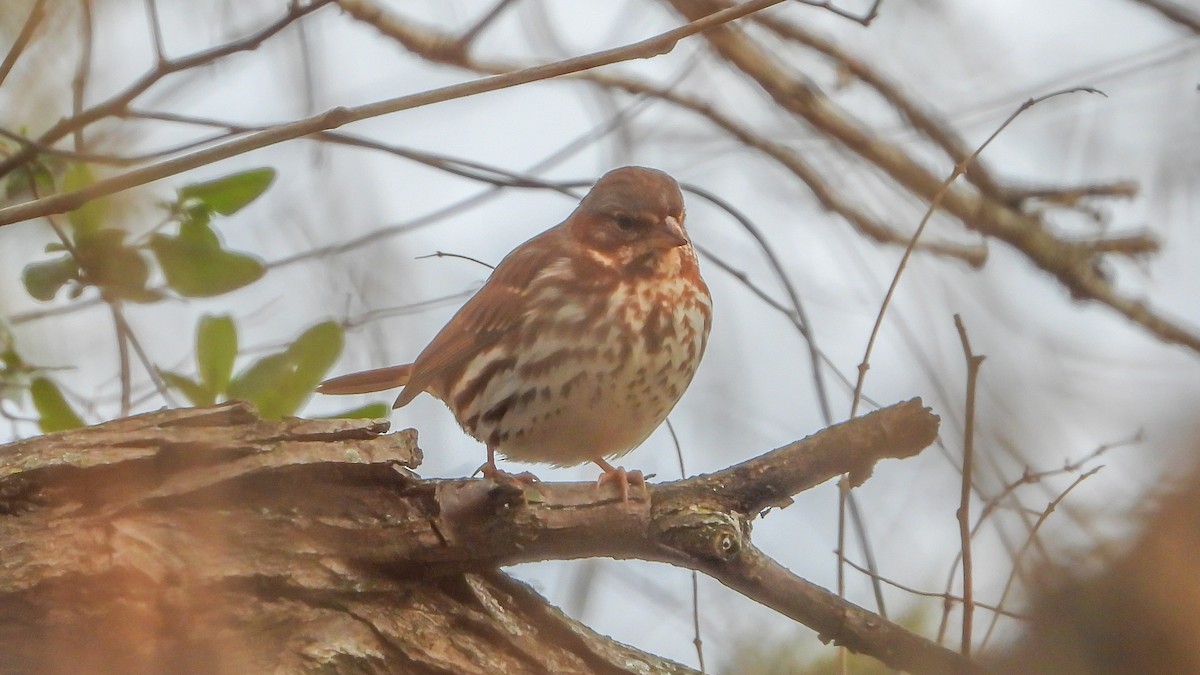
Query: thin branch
[(443, 254), (51, 312), (469, 36), (964, 504), (1050, 508), (83, 69), (1076, 270), (696, 641), (121, 100), (36, 14), (429, 45), (744, 279), (160, 52), (865, 19), (504, 178), (922, 120), (934, 203), (109, 160), (864, 365), (126, 380), (945, 596), (126, 331), (569, 149), (803, 324), (336, 117), (404, 310), (1173, 11)]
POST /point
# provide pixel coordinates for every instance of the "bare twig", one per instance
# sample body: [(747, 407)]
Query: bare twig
[(945, 595), (83, 69), (802, 322), (126, 382), (1076, 270), (109, 159), (36, 14), (469, 35), (934, 203), (120, 101), (160, 52), (1017, 561), (443, 254), (864, 365), (922, 120), (696, 641), (1173, 11), (428, 44), (964, 505), (865, 19), (337, 117), (993, 503)]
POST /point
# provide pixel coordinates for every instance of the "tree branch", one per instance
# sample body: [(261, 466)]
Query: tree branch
[(215, 513), (1077, 268), (337, 117), (1173, 11)]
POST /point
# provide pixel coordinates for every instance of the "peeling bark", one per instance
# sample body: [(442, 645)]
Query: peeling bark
[(210, 541)]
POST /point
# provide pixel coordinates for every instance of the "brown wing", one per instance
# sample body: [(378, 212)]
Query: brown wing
[(487, 316)]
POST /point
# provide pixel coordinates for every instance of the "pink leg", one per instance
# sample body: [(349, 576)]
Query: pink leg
[(489, 470), (622, 478)]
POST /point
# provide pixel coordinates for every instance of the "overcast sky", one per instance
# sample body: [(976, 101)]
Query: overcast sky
[(1061, 377)]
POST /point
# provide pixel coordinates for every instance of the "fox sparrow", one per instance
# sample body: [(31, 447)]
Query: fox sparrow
[(580, 342)]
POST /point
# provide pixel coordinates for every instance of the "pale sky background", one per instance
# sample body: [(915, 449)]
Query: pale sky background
[(1061, 377)]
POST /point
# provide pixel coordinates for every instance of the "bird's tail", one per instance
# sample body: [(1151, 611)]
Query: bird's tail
[(367, 381)]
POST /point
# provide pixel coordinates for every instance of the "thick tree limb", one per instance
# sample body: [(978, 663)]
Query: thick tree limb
[(207, 540)]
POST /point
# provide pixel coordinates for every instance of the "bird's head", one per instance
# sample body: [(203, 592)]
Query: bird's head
[(632, 219)]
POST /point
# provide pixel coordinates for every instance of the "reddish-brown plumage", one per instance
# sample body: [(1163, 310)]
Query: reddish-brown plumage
[(581, 341)]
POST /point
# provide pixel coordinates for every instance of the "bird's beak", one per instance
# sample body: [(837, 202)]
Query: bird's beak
[(673, 233)]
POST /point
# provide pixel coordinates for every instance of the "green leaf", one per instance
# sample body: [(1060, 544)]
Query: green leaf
[(119, 269), (44, 279), (89, 217), (216, 349), (197, 393), (229, 194), (195, 269), (279, 384), (256, 382), (54, 413), (195, 231), (18, 185), (370, 411)]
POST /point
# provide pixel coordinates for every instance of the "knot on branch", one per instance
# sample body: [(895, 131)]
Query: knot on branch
[(703, 533)]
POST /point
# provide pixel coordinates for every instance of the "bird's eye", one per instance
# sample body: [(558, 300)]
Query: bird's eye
[(626, 222)]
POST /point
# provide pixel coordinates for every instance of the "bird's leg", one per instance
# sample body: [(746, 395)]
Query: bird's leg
[(489, 470), (622, 478)]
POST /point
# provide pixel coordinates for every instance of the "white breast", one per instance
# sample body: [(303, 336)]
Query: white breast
[(576, 390)]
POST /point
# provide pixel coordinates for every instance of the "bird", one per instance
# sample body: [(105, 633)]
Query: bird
[(581, 340)]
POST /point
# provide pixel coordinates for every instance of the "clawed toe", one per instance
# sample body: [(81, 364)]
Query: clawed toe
[(624, 479), (523, 479)]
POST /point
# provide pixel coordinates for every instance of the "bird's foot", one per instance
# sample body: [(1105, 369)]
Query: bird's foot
[(623, 479), (522, 480)]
